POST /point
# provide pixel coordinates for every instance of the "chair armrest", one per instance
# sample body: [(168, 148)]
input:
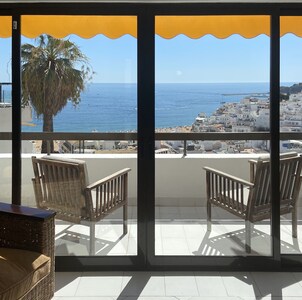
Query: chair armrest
[(27, 228), (227, 191), (107, 194), (253, 161), (108, 179), (229, 176)]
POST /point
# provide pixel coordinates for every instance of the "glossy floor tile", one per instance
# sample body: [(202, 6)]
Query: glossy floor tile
[(178, 231), (178, 285)]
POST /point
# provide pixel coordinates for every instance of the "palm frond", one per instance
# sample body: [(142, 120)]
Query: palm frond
[(49, 74)]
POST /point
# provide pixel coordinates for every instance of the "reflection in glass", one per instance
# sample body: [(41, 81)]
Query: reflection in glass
[(291, 122), (5, 109)]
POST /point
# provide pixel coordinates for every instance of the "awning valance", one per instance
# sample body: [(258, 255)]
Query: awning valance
[(165, 26), (218, 26), (84, 26)]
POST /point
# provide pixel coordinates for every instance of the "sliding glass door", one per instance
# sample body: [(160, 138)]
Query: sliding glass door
[(5, 108), (212, 82), (186, 101), (290, 124), (79, 87)]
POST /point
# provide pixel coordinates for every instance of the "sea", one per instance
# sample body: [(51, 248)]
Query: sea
[(113, 107)]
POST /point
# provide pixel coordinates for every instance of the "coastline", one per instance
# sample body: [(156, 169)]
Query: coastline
[(107, 109)]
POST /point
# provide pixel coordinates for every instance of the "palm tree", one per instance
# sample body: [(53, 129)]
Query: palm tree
[(50, 77)]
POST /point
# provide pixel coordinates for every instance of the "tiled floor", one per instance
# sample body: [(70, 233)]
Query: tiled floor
[(178, 231), (178, 285)]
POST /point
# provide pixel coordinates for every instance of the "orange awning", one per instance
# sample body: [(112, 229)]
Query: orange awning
[(84, 26), (166, 26), (218, 26)]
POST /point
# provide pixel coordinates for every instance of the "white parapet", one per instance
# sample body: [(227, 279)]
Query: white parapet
[(178, 180)]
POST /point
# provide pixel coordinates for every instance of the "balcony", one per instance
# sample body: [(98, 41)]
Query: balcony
[(180, 210)]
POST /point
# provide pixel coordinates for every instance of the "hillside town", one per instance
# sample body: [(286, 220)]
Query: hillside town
[(251, 114)]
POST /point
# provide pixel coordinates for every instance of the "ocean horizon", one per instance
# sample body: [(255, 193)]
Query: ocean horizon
[(112, 107)]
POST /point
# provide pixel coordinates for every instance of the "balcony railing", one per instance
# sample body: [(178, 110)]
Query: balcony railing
[(178, 179), (158, 136)]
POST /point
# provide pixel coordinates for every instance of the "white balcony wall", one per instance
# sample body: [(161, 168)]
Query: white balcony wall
[(5, 177), (181, 181), (178, 181)]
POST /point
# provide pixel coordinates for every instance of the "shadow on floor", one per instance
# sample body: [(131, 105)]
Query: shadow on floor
[(233, 243)]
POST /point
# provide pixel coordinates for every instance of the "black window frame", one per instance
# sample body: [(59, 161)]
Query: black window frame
[(146, 13)]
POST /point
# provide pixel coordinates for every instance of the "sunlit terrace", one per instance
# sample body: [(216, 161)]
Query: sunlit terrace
[(180, 209)]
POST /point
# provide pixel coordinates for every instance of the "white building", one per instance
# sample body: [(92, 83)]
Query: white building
[(263, 119), (6, 126)]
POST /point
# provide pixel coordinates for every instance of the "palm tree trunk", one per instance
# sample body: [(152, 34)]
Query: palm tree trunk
[(47, 127)]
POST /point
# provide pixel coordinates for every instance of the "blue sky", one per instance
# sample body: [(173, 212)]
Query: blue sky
[(182, 59)]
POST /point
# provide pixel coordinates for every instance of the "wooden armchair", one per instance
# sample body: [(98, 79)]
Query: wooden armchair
[(251, 200), (61, 184)]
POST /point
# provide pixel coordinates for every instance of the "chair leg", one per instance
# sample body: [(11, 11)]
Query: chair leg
[(125, 219), (92, 238), (294, 223), (248, 229), (209, 216)]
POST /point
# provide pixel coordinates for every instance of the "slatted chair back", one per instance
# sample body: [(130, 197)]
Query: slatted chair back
[(60, 186), (253, 162), (259, 203), (251, 200)]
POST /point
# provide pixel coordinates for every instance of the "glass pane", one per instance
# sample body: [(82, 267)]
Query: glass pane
[(91, 93), (5, 109), (205, 84), (290, 123)]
